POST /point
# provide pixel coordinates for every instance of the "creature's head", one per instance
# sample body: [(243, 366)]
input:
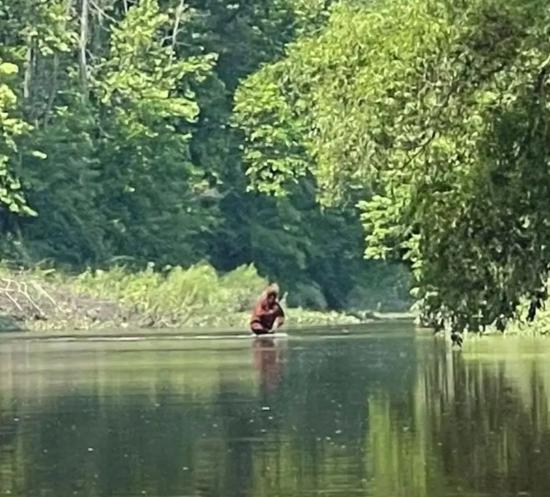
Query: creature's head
[(272, 293)]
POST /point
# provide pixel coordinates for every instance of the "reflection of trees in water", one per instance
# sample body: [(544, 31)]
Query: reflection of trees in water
[(499, 433), (269, 361), (470, 429), (203, 425), (399, 438), (107, 427), (383, 418), (323, 403)]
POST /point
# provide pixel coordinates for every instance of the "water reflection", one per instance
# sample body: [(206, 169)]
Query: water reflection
[(269, 361), (385, 414)]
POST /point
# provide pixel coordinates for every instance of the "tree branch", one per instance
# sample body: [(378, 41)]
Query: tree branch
[(83, 43)]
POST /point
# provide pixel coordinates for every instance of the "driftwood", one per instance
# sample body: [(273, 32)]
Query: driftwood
[(19, 295), (31, 303)]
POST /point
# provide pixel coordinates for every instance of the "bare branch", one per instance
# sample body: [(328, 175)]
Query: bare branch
[(29, 62), (102, 12), (179, 14), (83, 43)]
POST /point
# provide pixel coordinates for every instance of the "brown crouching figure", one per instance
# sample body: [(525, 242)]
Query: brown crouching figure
[(268, 314)]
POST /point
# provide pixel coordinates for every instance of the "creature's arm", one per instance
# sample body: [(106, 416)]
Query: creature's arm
[(263, 310), (280, 318)]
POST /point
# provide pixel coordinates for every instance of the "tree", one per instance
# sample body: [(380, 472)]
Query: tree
[(11, 127), (151, 189), (431, 118), (114, 176), (127, 149)]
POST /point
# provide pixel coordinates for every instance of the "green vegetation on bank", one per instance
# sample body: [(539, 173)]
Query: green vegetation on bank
[(523, 326), (174, 298)]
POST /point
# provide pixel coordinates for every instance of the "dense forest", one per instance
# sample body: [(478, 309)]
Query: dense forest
[(293, 134), (432, 118), (119, 146)]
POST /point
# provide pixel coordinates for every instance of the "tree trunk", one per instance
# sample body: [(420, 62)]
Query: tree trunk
[(83, 46), (179, 14), (27, 83), (53, 90), (55, 72)]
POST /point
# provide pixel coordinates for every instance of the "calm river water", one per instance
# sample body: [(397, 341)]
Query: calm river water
[(382, 412)]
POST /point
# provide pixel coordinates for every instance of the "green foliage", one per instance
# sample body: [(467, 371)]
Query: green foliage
[(138, 77), (11, 127), (385, 289), (242, 287), (432, 117), (180, 295), (150, 185), (43, 298), (289, 239), (274, 148), (309, 297), (63, 188), (115, 178), (120, 135)]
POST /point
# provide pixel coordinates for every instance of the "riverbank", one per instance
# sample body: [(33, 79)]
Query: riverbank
[(48, 300), (521, 327)]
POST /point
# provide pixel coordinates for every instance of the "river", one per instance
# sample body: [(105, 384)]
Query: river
[(384, 411)]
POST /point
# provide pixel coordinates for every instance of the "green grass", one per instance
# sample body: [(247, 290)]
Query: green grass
[(46, 299), (197, 295)]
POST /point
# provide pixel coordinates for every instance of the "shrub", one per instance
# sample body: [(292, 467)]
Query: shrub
[(178, 294)]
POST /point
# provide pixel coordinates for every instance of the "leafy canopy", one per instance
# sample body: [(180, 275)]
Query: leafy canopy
[(431, 117)]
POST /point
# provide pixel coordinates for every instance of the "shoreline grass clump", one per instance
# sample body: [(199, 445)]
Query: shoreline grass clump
[(52, 300), (195, 296)]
